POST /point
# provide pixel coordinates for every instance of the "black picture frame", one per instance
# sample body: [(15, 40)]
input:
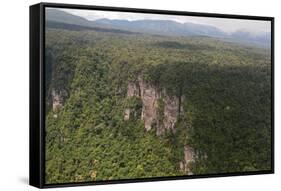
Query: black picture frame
[(37, 93)]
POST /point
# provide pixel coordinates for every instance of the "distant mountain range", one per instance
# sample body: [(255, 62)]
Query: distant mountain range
[(158, 27)]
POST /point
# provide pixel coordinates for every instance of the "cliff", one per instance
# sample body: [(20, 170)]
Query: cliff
[(159, 110), (189, 156), (57, 100)]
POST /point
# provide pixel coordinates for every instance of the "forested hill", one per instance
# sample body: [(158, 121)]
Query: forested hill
[(161, 27), (124, 106), (73, 27)]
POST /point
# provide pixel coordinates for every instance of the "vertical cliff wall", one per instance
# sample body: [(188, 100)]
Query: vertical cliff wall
[(159, 109), (149, 96), (189, 156), (57, 99)]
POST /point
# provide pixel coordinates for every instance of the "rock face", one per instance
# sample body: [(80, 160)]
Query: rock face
[(188, 158), (133, 90), (127, 114), (161, 111), (172, 111), (57, 99), (151, 97)]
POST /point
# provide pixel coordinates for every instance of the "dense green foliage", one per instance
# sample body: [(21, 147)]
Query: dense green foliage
[(227, 105)]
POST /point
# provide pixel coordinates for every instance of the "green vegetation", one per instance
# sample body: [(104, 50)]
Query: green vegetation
[(226, 117)]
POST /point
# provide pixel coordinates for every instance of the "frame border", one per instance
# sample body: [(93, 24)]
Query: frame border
[(41, 164)]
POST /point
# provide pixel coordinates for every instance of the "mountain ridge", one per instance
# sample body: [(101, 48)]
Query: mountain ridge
[(160, 27)]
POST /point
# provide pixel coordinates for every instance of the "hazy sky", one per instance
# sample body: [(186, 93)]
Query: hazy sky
[(226, 25)]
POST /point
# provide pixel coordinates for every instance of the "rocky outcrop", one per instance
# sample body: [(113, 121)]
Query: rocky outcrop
[(133, 90), (127, 114), (149, 96), (57, 99), (152, 114), (161, 111), (188, 159), (172, 111)]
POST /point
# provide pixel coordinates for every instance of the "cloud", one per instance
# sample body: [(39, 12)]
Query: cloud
[(224, 24)]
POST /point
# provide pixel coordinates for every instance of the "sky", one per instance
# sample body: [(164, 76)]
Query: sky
[(255, 27)]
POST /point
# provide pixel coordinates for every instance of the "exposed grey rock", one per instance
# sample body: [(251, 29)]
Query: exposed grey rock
[(127, 114), (58, 99), (189, 157), (150, 95), (164, 120), (133, 90)]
